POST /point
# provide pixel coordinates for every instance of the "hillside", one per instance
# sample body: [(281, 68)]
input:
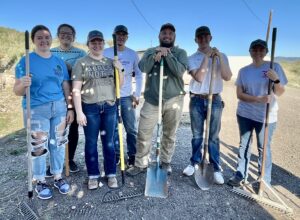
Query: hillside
[(12, 46)]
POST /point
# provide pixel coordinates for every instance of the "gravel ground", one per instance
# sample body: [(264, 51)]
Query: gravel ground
[(185, 200)]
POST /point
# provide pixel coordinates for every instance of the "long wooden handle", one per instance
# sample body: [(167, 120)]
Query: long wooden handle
[(209, 107), (67, 162), (269, 25)]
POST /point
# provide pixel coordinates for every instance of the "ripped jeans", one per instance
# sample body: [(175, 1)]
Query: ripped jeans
[(48, 134)]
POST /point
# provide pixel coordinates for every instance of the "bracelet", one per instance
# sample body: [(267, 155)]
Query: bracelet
[(276, 81), (70, 109)]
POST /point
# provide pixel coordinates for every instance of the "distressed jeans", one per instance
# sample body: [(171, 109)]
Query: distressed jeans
[(101, 117), (49, 130), (198, 112), (129, 121), (246, 127), (171, 114)]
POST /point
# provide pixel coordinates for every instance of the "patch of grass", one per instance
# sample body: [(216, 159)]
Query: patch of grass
[(17, 152), (292, 70)]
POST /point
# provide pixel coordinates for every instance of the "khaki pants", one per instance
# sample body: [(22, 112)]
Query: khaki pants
[(171, 114)]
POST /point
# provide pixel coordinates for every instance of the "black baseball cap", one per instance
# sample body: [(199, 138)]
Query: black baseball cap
[(259, 42), (167, 26), (203, 30), (120, 28)]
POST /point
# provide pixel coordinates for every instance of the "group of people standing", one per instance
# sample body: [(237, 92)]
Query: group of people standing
[(57, 107)]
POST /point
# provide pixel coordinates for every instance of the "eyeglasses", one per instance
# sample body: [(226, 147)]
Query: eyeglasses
[(66, 33)]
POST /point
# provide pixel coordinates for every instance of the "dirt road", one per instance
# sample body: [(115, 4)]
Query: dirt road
[(185, 200)]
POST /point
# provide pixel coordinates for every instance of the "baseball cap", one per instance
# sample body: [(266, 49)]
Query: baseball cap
[(259, 42), (203, 30), (94, 34), (167, 26), (121, 28)]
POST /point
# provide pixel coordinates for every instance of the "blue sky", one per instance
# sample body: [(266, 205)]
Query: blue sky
[(233, 23)]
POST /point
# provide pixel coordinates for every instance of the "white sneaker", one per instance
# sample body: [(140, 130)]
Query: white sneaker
[(218, 178), (189, 170)]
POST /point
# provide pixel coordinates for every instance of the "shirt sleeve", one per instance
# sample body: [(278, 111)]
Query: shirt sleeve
[(77, 71), (138, 76), (281, 74), (20, 70), (65, 71)]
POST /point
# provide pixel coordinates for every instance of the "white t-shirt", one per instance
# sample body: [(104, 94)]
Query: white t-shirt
[(195, 61), (254, 82), (129, 60)]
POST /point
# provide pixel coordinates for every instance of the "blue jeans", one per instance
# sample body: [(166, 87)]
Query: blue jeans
[(198, 112), (129, 121), (101, 117), (48, 130), (246, 127)]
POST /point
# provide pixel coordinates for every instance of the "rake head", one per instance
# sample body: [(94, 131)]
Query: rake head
[(252, 196), (27, 212), (112, 197)]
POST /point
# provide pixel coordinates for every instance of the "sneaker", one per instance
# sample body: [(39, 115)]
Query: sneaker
[(167, 167), (43, 191), (112, 182), (218, 178), (62, 186), (134, 170), (73, 167), (48, 173), (130, 161), (234, 181), (93, 183), (189, 170)]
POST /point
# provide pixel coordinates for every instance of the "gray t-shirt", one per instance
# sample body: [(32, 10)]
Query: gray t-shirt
[(97, 79), (254, 81)]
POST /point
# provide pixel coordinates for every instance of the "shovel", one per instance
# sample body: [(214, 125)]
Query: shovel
[(156, 179), (204, 172)]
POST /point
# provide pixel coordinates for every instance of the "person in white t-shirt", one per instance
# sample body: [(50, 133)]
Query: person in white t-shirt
[(129, 98), (252, 92), (200, 64)]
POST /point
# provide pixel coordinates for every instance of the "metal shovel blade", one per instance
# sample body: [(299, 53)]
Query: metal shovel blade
[(204, 175), (156, 182)]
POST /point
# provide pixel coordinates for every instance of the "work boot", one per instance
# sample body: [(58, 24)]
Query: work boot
[(130, 161), (167, 167), (236, 180), (134, 170)]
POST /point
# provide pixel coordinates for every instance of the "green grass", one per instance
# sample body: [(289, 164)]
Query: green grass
[(292, 70)]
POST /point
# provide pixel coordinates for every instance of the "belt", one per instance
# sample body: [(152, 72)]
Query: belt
[(203, 96)]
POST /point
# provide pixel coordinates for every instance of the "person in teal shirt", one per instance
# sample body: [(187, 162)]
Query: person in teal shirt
[(70, 54)]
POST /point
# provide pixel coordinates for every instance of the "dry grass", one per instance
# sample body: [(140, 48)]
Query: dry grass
[(292, 70)]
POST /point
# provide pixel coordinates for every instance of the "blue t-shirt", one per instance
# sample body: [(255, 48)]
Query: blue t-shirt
[(254, 82), (69, 56), (47, 77)]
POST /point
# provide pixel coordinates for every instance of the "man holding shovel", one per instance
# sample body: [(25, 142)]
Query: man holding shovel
[(200, 64), (176, 62)]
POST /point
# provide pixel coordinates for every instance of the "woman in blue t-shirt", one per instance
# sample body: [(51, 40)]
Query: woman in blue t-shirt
[(49, 92), (252, 92)]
